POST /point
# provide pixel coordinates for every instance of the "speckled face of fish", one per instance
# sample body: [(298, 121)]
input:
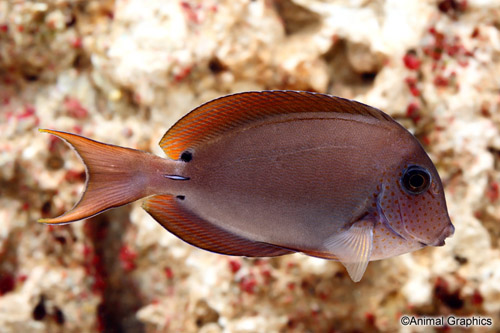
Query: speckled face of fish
[(268, 173)]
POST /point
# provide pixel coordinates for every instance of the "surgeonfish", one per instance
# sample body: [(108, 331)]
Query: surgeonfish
[(263, 174)]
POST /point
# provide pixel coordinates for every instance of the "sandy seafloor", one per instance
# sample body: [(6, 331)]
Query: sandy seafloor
[(124, 71)]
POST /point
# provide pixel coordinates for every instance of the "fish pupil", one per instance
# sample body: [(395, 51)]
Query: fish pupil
[(415, 179), (186, 156)]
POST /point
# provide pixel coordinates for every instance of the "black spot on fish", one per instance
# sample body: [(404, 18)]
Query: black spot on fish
[(186, 156), (181, 197)]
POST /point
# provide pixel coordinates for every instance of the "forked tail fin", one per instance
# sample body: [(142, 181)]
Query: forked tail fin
[(115, 176)]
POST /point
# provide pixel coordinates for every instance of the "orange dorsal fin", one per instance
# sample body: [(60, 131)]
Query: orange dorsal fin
[(221, 115), (169, 212)]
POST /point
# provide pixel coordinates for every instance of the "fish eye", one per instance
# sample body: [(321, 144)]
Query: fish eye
[(416, 179)]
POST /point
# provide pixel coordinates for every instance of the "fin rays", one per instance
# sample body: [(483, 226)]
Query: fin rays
[(112, 177), (167, 211), (353, 248), (218, 116)]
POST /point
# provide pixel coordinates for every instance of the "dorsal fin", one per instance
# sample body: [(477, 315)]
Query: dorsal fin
[(221, 115)]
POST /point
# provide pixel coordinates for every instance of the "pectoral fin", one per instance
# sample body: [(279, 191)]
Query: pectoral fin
[(353, 248)]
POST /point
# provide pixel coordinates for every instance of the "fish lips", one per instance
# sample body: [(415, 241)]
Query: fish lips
[(447, 231)]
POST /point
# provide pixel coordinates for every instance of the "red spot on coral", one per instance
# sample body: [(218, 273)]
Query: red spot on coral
[(412, 86), (441, 81), (452, 7), (453, 49), (190, 12), (370, 318), (485, 109), (411, 81), (53, 143), (266, 274), (475, 33), (7, 80), (415, 91), (291, 286), (99, 284), (412, 109), (74, 176), (323, 295), (248, 283), (51, 24), (477, 298), (435, 49), (4, 28), (76, 43), (137, 98), (182, 74), (493, 192), (411, 61), (20, 28), (127, 258), (315, 313), (234, 265), (77, 129), (28, 112), (413, 112), (74, 108), (26, 206), (87, 250), (169, 273), (7, 283)]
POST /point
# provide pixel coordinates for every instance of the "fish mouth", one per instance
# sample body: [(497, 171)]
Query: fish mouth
[(439, 242), (448, 231)]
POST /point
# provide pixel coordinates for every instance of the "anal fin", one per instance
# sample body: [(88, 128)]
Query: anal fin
[(353, 248), (192, 229)]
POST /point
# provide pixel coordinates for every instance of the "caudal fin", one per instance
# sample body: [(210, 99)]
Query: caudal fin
[(115, 176)]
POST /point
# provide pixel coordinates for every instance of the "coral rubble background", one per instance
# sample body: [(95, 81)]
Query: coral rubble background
[(124, 71)]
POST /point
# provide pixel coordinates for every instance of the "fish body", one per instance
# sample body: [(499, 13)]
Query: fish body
[(276, 172)]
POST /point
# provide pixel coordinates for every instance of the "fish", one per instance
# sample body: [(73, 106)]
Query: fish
[(269, 173)]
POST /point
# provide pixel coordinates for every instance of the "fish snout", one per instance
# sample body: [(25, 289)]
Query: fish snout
[(448, 231)]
